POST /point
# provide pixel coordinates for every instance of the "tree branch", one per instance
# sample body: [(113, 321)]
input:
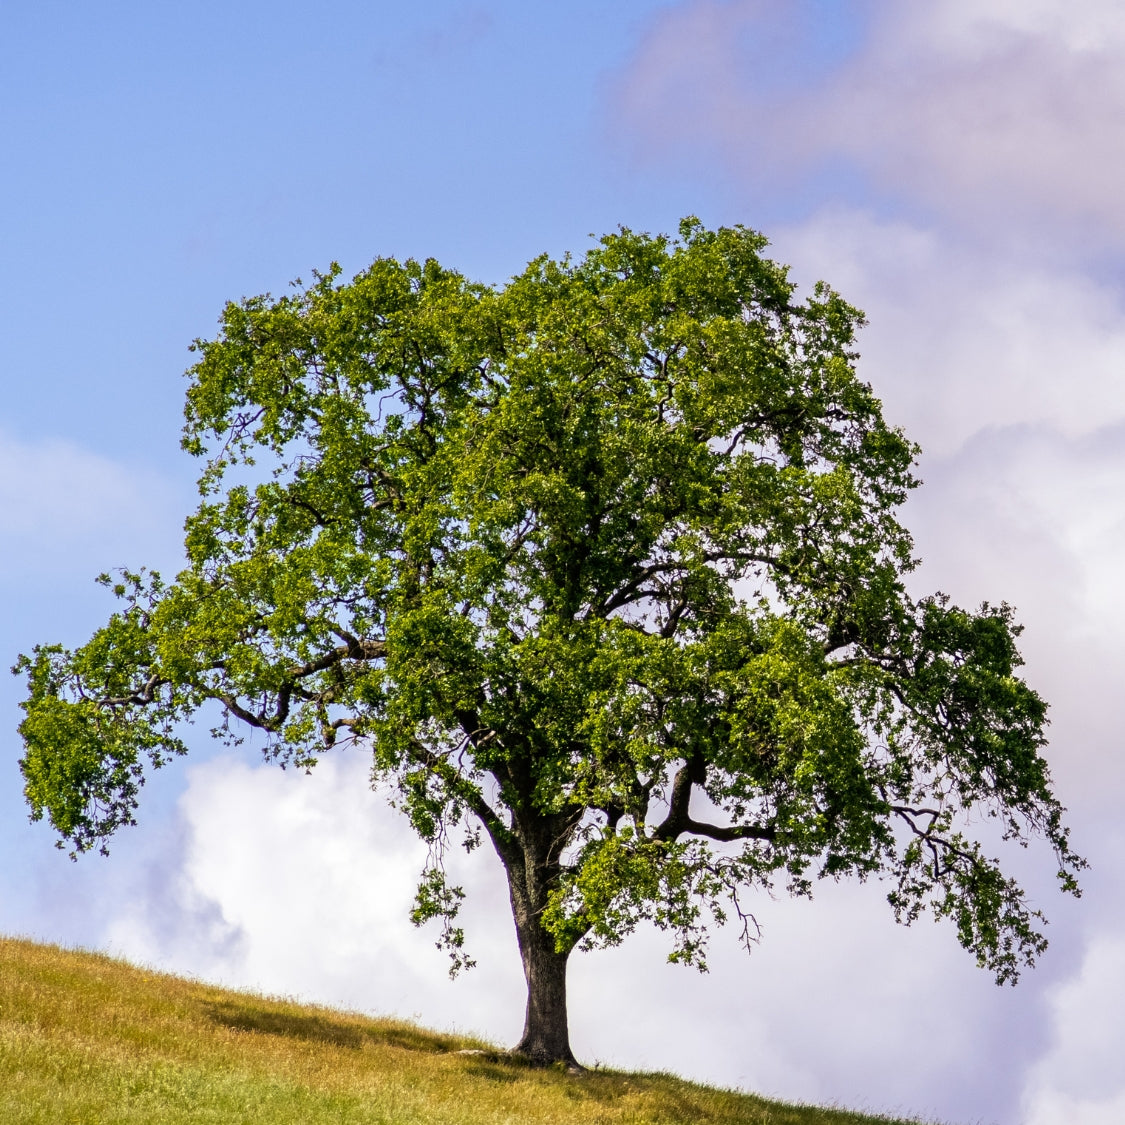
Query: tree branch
[(464, 790), (680, 821)]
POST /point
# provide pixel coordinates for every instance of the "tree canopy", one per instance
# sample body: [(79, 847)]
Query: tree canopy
[(602, 565)]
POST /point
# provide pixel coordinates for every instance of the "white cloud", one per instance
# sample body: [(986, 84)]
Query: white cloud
[(1079, 1081), (1002, 114), (970, 28), (837, 1004), (302, 885), (1012, 377), (62, 506), (1030, 516), (961, 340), (1040, 514)]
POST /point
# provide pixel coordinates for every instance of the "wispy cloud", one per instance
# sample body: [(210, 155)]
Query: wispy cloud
[(982, 112), (62, 506)]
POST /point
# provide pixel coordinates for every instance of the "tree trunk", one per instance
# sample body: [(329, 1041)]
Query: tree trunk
[(546, 1035)]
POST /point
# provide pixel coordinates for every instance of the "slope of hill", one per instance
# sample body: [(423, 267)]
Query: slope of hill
[(89, 1040)]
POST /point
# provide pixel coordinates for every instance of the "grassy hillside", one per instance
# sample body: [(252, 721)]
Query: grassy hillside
[(88, 1040)]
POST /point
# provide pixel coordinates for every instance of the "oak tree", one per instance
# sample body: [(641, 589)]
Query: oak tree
[(602, 566)]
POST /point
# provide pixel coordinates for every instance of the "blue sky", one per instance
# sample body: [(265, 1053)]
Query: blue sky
[(954, 168)]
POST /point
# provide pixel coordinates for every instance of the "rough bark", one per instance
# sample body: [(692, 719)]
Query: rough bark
[(546, 1034)]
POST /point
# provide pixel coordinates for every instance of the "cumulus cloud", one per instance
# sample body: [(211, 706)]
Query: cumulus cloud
[(994, 111), (1027, 515), (1009, 374), (302, 885), (960, 339), (1078, 1080)]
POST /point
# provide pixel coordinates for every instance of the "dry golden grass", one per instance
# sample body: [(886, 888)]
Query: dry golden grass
[(89, 1040)]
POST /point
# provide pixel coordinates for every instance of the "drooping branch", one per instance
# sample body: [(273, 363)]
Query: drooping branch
[(272, 721), (470, 795), (939, 847)]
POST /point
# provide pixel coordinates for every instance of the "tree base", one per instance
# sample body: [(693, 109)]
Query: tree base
[(541, 1062), (543, 1058)]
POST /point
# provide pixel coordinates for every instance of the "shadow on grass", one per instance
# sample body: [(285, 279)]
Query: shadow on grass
[(600, 1086), (323, 1029), (502, 1073)]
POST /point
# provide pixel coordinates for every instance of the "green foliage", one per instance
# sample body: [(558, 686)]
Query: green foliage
[(605, 561)]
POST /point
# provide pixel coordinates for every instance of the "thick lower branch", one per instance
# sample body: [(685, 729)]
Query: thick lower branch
[(679, 820)]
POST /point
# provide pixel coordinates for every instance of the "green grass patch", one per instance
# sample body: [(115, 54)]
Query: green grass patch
[(89, 1040)]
